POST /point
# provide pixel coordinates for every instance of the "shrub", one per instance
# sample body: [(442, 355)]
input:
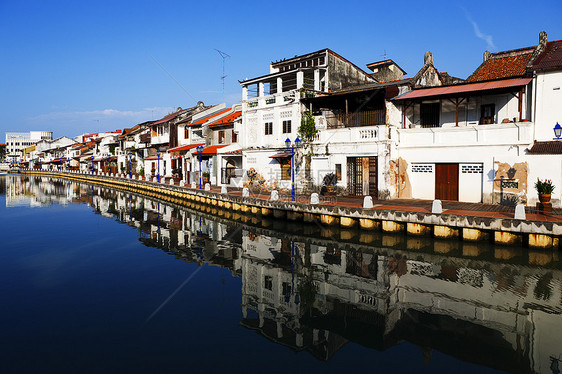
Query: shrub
[(544, 187)]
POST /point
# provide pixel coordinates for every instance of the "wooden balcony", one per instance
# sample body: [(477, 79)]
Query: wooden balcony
[(357, 119)]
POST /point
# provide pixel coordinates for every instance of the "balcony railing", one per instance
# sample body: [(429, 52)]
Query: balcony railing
[(357, 119)]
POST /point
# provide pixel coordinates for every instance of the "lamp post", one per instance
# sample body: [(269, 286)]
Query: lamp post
[(199, 153), (557, 131), (158, 155), (292, 147), (130, 165), (109, 164)]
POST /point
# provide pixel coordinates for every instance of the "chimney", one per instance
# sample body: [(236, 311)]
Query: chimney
[(428, 58), (487, 55)]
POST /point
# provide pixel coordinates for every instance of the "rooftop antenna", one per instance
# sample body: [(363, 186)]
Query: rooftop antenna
[(384, 55), (224, 57)]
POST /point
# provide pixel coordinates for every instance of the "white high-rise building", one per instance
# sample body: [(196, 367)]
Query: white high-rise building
[(17, 141)]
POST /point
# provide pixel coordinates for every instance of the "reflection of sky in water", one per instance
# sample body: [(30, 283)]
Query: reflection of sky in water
[(81, 287)]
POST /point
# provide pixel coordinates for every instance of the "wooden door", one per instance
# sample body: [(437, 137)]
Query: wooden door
[(447, 182), (362, 176)]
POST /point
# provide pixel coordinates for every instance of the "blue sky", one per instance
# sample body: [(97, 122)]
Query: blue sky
[(79, 66)]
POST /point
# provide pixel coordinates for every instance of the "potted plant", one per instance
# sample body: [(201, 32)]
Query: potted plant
[(153, 171), (206, 177), (329, 183), (544, 189)]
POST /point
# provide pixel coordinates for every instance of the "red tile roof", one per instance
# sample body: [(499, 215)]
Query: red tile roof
[(211, 150), (184, 147), (501, 67), (227, 120), (551, 58), (203, 120), (166, 119), (547, 148)]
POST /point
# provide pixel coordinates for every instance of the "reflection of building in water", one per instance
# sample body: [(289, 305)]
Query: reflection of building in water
[(313, 294), (499, 315), (36, 192)]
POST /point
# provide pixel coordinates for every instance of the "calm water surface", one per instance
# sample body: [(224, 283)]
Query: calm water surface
[(97, 280)]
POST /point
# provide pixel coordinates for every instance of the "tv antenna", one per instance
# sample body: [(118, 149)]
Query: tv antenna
[(224, 56)]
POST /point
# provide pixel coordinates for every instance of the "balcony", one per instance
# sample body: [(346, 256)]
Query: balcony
[(498, 134), (357, 119)]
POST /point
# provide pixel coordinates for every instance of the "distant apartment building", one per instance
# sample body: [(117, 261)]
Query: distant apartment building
[(16, 142)]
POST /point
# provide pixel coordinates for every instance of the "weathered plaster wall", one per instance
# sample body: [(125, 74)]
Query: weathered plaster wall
[(510, 182), (400, 182), (343, 74)]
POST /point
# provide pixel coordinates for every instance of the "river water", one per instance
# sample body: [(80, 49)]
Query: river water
[(99, 280)]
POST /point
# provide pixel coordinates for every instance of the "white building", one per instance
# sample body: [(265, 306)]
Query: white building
[(272, 110), (469, 141), (17, 141)]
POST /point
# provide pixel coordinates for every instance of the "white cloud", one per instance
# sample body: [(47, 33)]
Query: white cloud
[(487, 38), (72, 123)]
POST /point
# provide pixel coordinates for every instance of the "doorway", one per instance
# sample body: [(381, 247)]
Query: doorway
[(362, 176), (447, 182)]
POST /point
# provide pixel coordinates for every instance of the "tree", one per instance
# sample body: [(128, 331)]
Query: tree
[(307, 130)]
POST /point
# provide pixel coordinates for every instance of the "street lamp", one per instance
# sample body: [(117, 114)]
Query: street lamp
[(109, 164), (290, 146), (158, 155), (199, 153), (557, 131), (130, 165)]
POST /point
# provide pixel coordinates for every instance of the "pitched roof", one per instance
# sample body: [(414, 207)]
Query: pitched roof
[(166, 118), (551, 58), (205, 119), (211, 150), (460, 89), (226, 120), (553, 147), (502, 65), (184, 147)]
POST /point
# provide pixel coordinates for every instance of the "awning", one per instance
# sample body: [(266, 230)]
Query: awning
[(464, 88), (281, 155), (210, 150), (184, 147)]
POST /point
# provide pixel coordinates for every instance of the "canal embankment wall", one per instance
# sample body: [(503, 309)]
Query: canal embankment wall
[(503, 231)]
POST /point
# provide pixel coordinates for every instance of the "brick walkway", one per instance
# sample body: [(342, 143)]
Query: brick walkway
[(416, 205)]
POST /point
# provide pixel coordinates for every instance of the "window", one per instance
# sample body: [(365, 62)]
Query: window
[(487, 114), (234, 137), (286, 127), (268, 282), (338, 171), (221, 136), (268, 128), (186, 133), (429, 114)]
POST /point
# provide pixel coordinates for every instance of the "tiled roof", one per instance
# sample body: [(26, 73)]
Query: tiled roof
[(166, 119), (501, 67), (227, 120), (547, 148), (184, 147), (205, 119), (551, 57), (211, 150)]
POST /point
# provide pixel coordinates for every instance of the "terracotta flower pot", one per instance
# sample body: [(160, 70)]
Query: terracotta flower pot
[(544, 198)]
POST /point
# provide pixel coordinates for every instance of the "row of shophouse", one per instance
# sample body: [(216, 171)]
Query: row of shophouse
[(485, 138)]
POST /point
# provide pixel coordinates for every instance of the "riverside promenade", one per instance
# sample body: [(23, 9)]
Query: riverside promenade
[(456, 221)]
